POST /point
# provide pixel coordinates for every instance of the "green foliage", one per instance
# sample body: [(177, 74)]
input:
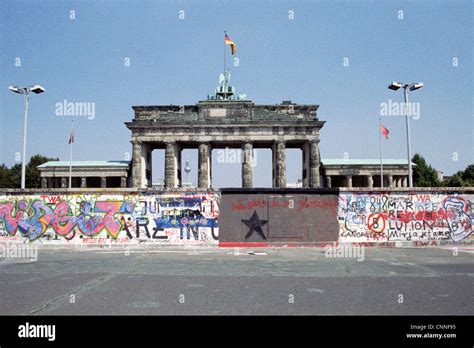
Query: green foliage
[(462, 178), (424, 175), (454, 181), (468, 175), (11, 177), (5, 177)]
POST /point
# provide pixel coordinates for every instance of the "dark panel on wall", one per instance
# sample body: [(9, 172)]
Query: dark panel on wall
[(272, 216)]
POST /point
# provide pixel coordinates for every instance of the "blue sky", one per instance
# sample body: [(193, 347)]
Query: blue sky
[(177, 61)]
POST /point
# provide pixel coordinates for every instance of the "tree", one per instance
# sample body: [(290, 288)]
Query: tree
[(461, 178), (5, 176), (454, 181), (424, 175), (11, 177), (468, 175), (33, 177)]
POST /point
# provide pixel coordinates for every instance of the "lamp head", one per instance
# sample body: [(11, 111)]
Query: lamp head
[(415, 86), (395, 85), (37, 89), (16, 89)]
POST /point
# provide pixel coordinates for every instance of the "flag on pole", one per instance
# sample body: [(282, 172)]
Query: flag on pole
[(228, 41), (71, 137), (384, 131)]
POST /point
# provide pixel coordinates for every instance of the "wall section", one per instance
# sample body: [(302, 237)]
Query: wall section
[(406, 216), (102, 218), (272, 216), (245, 216)]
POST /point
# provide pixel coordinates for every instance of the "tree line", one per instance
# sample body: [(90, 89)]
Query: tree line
[(11, 177), (424, 175)]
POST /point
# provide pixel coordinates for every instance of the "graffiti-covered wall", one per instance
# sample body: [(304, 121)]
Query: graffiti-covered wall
[(270, 217), (94, 218), (405, 216)]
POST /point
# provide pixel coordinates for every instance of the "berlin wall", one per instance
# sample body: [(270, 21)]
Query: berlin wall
[(234, 217), (101, 218), (278, 216), (433, 216)]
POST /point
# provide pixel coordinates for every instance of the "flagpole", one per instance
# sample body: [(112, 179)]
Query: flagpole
[(225, 68), (70, 154), (225, 33), (381, 165)]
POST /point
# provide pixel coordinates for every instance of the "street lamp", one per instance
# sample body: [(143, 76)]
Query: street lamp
[(37, 89), (413, 87)]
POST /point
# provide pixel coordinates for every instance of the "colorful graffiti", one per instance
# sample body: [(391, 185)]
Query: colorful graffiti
[(193, 217), (369, 217), (115, 218)]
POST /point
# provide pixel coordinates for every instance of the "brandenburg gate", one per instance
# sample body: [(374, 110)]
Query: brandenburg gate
[(224, 120)]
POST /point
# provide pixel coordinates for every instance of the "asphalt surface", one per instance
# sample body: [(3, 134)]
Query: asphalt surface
[(216, 281)]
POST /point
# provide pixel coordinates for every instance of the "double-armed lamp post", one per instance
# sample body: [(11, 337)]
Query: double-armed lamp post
[(37, 89), (413, 87)]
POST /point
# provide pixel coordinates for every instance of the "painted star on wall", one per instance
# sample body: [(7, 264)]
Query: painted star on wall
[(255, 224)]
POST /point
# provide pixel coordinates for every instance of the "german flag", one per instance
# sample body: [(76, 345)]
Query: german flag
[(228, 41)]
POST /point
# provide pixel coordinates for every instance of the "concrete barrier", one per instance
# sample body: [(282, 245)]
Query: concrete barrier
[(260, 217), (422, 216), (109, 217), (239, 217)]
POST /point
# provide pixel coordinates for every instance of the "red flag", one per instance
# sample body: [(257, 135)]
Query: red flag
[(71, 137), (384, 131)]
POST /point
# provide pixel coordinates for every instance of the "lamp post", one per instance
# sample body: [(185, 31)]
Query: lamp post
[(413, 87), (37, 89)]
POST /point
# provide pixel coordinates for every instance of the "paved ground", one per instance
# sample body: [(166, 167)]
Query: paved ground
[(227, 281)]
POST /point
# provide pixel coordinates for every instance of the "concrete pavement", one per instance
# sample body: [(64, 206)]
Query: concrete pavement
[(212, 280)]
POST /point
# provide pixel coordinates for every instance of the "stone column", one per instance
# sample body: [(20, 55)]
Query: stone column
[(314, 162), (171, 166), (179, 178), (147, 159), (305, 150), (405, 181), (83, 182), (328, 181), (247, 163), (204, 166), (279, 164), (390, 181), (44, 183), (103, 182), (138, 167), (370, 180), (64, 183), (123, 182), (349, 180)]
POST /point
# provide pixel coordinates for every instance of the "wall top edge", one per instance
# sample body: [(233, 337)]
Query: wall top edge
[(236, 190)]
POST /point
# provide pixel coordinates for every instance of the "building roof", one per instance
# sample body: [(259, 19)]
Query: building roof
[(360, 162), (52, 164)]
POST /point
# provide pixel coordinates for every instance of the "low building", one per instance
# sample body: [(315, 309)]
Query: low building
[(55, 174), (365, 172), (334, 173)]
